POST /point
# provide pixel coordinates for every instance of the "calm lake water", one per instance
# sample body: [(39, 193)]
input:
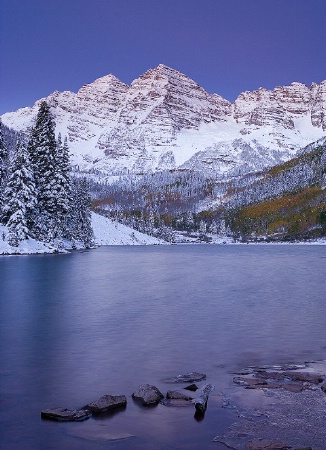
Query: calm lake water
[(75, 327)]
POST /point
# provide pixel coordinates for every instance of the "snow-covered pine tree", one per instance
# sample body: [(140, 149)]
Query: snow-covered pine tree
[(62, 189), (80, 214), (3, 166), (42, 150), (19, 197), (50, 177)]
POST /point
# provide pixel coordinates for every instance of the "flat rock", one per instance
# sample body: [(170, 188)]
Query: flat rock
[(178, 395), (186, 378), (264, 444), (148, 394), (244, 381), (307, 377), (176, 402), (291, 387), (107, 403), (279, 367), (263, 374), (65, 415)]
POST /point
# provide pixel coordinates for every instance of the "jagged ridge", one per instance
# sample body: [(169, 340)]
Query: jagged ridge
[(166, 120)]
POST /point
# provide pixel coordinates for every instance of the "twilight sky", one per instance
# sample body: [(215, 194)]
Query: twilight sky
[(227, 46)]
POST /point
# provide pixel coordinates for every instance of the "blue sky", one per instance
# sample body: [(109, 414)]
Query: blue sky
[(227, 46)]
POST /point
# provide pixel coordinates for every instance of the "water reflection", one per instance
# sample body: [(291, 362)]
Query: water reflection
[(75, 327)]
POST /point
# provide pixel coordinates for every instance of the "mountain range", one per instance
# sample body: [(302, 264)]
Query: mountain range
[(165, 120)]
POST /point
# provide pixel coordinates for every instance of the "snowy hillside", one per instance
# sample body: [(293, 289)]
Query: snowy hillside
[(165, 120), (106, 232)]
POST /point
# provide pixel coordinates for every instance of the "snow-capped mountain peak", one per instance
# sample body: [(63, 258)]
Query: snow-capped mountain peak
[(164, 119)]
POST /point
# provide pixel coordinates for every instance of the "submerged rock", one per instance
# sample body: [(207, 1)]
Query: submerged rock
[(175, 402), (107, 403), (242, 381), (264, 444), (292, 381), (186, 378), (148, 394), (307, 377), (66, 415)]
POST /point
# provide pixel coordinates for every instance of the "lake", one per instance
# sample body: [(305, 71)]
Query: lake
[(75, 327)]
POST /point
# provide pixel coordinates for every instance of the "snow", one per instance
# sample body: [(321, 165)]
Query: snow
[(106, 231), (142, 122), (109, 232), (26, 247)]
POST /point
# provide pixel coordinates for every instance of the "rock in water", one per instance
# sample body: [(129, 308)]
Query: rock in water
[(66, 415), (202, 397), (174, 402), (264, 444), (192, 387), (178, 395), (107, 403), (147, 394), (186, 378)]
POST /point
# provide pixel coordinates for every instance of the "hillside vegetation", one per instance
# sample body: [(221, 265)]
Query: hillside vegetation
[(287, 203)]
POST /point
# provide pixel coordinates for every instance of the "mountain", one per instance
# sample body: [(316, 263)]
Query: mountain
[(165, 120), (285, 202)]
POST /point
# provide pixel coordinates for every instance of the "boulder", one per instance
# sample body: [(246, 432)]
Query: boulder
[(148, 394), (66, 415), (107, 403)]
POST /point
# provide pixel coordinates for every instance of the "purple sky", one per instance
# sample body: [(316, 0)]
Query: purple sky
[(227, 46)]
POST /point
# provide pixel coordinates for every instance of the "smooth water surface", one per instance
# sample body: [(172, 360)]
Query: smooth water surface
[(75, 327)]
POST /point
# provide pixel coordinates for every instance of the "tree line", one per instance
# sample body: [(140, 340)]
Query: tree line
[(39, 197)]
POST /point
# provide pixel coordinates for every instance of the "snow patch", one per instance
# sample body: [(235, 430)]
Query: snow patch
[(109, 232)]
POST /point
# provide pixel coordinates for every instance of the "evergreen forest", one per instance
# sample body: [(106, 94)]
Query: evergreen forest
[(40, 197)]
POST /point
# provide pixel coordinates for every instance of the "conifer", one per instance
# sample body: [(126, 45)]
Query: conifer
[(3, 166), (19, 197), (80, 216)]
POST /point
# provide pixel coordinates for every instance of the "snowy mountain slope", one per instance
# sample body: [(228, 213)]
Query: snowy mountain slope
[(165, 120), (108, 232)]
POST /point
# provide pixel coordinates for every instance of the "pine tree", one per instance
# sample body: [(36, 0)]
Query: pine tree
[(80, 215), (19, 197), (62, 189), (51, 178), (42, 149), (3, 166)]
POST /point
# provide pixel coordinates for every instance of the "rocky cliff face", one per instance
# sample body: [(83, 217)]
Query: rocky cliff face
[(166, 120)]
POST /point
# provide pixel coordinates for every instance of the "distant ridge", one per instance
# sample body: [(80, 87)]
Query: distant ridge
[(165, 120)]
